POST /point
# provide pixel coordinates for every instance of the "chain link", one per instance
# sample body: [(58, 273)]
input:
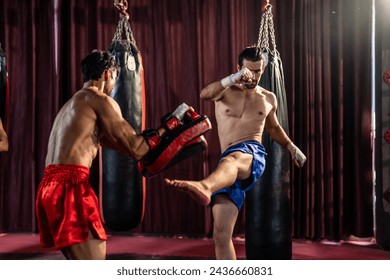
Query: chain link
[(267, 30), (272, 29), (260, 31), (265, 40), (124, 25)]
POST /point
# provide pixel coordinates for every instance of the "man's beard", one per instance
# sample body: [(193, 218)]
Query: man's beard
[(250, 86)]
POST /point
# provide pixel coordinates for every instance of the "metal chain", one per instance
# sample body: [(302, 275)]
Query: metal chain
[(259, 40), (267, 30), (118, 31), (264, 43), (124, 25), (129, 33), (272, 29)]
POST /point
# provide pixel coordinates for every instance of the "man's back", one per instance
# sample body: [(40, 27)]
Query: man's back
[(75, 138)]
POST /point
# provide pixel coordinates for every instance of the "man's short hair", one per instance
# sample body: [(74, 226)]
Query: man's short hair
[(251, 53), (94, 64)]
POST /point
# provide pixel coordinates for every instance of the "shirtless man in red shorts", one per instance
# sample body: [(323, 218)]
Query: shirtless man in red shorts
[(3, 139), (66, 206), (243, 110)]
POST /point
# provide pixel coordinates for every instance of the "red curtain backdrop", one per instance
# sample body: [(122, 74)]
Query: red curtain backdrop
[(27, 36), (325, 48)]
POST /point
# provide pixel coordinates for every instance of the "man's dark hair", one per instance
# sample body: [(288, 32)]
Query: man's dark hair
[(94, 64), (251, 53)]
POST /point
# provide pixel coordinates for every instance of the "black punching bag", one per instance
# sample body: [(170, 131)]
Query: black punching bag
[(123, 187), (268, 223)]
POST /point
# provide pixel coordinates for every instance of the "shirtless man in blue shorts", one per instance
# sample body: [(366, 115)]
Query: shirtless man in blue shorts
[(243, 110)]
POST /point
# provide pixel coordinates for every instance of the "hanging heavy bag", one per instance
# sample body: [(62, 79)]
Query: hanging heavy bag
[(123, 187), (268, 207)]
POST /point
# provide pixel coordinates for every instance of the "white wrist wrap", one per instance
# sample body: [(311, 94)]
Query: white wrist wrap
[(291, 147), (296, 154), (232, 79), (228, 81)]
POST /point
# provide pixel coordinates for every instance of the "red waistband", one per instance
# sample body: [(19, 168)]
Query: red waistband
[(66, 168)]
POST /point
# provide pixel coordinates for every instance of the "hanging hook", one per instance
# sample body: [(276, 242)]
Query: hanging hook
[(266, 6), (122, 6)]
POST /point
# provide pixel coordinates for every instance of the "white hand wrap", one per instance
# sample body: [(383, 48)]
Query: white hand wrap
[(180, 111), (296, 154), (233, 78)]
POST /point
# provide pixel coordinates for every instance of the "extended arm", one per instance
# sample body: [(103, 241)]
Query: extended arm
[(117, 132), (3, 139)]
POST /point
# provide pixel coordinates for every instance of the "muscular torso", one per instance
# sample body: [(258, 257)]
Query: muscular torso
[(241, 114), (75, 136)]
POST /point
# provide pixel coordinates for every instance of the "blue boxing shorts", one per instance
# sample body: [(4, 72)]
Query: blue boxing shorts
[(236, 192)]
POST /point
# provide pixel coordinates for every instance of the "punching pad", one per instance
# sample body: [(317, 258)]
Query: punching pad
[(123, 187), (268, 208), (3, 87)]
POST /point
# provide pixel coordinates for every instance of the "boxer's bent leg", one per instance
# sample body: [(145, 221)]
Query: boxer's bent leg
[(93, 249), (225, 214)]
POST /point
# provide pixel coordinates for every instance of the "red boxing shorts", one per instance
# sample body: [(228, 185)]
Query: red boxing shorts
[(67, 207)]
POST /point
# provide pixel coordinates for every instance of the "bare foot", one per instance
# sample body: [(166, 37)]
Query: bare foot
[(195, 189)]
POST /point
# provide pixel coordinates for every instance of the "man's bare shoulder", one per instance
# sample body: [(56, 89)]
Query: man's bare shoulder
[(266, 92), (271, 97), (94, 98), (100, 102), (88, 94)]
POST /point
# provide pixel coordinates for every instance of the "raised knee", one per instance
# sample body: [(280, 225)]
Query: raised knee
[(228, 159)]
